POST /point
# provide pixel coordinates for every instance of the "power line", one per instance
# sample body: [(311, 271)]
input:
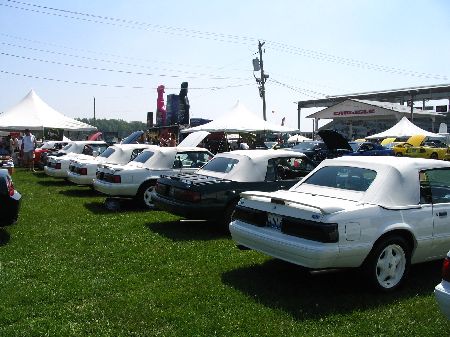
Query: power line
[(119, 86), (122, 56), (104, 69), (220, 37), (307, 92)]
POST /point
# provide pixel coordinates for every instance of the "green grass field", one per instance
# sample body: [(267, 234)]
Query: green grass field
[(69, 267)]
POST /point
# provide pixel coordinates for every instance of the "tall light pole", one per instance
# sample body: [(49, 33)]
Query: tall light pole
[(258, 65), (94, 109)]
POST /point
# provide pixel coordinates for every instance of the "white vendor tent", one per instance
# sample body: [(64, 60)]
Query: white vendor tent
[(404, 128), (34, 114), (239, 119)]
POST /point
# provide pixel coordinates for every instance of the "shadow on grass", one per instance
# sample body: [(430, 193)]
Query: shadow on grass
[(123, 206), (4, 237), (312, 295), (54, 182), (80, 192), (189, 230)]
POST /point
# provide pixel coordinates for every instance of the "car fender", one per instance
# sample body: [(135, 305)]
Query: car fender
[(398, 228)]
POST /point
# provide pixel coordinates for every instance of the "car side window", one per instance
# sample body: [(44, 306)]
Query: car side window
[(286, 168), (135, 153), (435, 186), (190, 159)]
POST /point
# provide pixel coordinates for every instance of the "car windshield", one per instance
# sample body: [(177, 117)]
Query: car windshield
[(109, 151), (305, 146), (143, 156), (355, 146), (343, 177), (220, 164)]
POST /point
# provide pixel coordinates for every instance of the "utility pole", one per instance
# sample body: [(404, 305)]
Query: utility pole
[(258, 65), (94, 109)]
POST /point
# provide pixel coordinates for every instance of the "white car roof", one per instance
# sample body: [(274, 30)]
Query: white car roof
[(252, 164), (395, 185), (163, 157)]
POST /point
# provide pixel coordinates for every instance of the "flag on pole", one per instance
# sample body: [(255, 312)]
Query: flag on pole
[(282, 121)]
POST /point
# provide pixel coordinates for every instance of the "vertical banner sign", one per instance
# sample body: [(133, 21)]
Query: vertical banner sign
[(150, 119), (183, 116)]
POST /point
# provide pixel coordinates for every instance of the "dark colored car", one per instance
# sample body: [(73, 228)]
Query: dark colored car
[(369, 149), (212, 192), (9, 200), (338, 146), (314, 149)]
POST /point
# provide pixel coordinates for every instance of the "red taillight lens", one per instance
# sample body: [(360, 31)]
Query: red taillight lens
[(117, 179), (446, 269), (58, 166), (10, 186), (83, 171), (186, 195)]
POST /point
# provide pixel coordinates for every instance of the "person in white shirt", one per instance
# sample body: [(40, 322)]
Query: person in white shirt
[(28, 146)]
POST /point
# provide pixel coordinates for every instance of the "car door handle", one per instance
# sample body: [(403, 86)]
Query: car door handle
[(441, 214)]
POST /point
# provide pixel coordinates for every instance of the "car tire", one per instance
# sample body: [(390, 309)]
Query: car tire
[(228, 213), (399, 154), (434, 155), (144, 195), (388, 263)]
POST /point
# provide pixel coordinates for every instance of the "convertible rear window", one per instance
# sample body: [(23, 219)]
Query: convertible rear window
[(343, 177), (143, 156), (220, 164)]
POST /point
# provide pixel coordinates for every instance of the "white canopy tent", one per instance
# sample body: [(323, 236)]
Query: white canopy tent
[(239, 119), (404, 128), (34, 114), (297, 139)]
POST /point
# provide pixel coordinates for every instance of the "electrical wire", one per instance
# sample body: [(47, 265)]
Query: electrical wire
[(220, 37), (119, 86), (119, 63), (106, 69)]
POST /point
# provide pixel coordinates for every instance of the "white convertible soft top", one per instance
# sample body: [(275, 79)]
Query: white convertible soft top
[(396, 183)]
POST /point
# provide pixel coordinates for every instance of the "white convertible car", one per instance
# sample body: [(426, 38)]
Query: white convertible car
[(137, 178), (58, 166), (378, 213), (82, 170)]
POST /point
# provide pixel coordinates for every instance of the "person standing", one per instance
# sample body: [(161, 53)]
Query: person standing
[(28, 146)]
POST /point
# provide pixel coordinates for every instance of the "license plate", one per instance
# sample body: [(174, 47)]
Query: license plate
[(274, 221)]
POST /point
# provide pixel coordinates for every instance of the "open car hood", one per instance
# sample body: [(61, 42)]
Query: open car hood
[(334, 140)]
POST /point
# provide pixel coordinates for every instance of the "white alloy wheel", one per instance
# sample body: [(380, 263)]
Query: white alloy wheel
[(144, 195), (147, 197), (390, 266)]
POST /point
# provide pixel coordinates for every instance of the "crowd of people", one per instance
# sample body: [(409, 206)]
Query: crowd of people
[(20, 149)]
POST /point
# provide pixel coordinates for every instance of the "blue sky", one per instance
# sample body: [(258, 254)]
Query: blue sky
[(312, 49)]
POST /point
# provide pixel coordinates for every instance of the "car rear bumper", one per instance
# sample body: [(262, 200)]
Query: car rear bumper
[(195, 211), (115, 189), (442, 295), (80, 179), (310, 254), (9, 209), (56, 173)]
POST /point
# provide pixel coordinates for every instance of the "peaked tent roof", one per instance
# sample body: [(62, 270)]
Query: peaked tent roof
[(239, 119), (34, 114), (404, 128)]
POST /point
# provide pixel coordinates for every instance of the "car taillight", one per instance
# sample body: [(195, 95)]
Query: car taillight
[(446, 269), (58, 166), (83, 171), (186, 195), (161, 188), (10, 186), (116, 179)]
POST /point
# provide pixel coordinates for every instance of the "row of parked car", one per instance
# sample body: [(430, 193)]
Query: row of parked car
[(377, 213)]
